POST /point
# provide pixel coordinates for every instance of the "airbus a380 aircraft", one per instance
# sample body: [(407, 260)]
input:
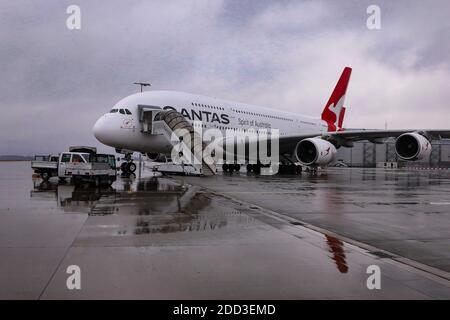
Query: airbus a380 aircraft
[(308, 140)]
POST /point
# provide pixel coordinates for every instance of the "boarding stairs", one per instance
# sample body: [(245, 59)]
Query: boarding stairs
[(183, 137)]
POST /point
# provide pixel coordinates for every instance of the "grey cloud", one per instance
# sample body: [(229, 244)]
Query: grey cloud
[(287, 55)]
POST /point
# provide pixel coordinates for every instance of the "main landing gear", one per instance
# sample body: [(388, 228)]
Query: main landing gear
[(283, 168), (256, 168), (290, 168), (226, 167), (312, 170), (235, 167), (129, 166)]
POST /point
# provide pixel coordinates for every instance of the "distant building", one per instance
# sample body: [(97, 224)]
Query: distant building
[(367, 154)]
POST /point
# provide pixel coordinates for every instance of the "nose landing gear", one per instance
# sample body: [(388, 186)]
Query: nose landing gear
[(129, 166)]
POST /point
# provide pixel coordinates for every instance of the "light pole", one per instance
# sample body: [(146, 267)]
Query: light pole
[(143, 84)]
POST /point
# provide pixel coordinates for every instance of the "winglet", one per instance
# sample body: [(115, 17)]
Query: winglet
[(334, 110)]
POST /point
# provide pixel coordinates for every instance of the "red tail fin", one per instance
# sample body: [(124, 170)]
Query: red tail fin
[(334, 110)]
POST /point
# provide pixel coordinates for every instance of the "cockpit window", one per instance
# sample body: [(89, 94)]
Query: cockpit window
[(121, 111)]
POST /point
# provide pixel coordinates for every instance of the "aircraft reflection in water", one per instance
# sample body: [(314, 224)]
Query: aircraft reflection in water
[(155, 206), (159, 205)]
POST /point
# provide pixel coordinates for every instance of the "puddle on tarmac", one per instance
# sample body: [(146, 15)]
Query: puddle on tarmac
[(143, 206), (154, 207)]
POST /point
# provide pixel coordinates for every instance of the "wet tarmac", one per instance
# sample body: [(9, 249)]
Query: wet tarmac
[(224, 237), (406, 213)]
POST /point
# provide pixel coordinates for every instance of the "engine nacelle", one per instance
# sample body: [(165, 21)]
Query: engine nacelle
[(156, 157), (412, 146), (315, 152)]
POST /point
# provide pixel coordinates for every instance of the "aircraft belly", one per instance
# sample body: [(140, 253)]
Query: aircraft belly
[(152, 144)]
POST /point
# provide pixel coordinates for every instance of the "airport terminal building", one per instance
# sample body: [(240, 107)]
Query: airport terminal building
[(367, 154)]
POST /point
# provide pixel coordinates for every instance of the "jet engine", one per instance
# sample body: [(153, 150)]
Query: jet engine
[(315, 152), (156, 157), (412, 146)]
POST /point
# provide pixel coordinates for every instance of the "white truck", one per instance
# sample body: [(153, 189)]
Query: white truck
[(81, 167)]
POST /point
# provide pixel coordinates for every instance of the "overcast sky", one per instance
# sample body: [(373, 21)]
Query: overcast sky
[(287, 55)]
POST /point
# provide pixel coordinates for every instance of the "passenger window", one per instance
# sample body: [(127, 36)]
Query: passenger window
[(65, 157), (77, 158), (114, 111), (128, 111), (122, 111)]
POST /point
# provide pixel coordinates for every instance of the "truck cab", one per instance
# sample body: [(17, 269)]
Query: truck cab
[(71, 161)]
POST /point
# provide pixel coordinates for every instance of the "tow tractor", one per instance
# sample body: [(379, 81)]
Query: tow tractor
[(81, 164)]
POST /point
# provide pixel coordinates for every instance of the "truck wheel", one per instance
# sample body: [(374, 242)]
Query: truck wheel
[(45, 175), (131, 167)]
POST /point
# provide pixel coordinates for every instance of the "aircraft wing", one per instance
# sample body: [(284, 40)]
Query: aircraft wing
[(288, 142)]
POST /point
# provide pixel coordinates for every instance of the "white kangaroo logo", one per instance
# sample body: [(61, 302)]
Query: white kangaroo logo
[(336, 109)]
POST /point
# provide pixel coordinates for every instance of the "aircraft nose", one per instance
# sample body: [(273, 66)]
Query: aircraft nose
[(100, 130)]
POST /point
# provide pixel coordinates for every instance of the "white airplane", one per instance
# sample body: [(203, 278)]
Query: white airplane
[(308, 140)]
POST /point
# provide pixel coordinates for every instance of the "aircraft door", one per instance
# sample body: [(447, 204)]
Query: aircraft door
[(146, 116)]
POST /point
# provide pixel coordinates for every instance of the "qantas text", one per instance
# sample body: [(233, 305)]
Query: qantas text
[(201, 115)]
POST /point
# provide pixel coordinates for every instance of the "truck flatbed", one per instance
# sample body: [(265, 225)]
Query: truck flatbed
[(40, 165)]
